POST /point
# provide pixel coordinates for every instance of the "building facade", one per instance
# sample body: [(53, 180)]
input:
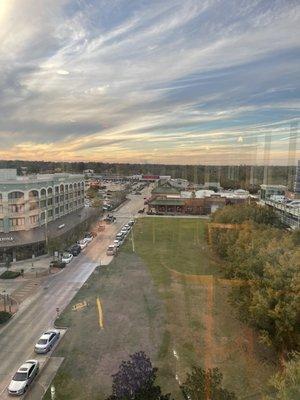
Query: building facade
[(297, 182), (36, 209), (266, 191), (32, 201)]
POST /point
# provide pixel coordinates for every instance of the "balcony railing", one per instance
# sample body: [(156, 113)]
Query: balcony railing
[(20, 200)]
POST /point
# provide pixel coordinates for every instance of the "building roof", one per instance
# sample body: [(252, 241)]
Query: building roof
[(281, 187), (167, 202), (165, 189), (9, 176)]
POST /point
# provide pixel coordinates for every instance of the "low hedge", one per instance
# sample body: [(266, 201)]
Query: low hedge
[(10, 274), (4, 316)]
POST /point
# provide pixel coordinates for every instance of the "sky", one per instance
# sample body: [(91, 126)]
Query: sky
[(168, 81)]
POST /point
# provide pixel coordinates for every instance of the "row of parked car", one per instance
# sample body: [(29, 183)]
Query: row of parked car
[(120, 237), (26, 373), (73, 251)]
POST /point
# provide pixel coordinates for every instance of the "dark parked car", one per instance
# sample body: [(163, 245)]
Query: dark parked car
[(57, 264), (75, 249), (141, 211), (110, 219)]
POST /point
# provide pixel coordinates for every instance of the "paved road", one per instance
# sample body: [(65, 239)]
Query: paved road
[(38, 312)]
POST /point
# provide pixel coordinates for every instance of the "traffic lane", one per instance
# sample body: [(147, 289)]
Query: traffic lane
[(16, 346), (42, 359)]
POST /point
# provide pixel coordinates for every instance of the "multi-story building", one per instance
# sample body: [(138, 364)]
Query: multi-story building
[(33, 206), (27, 202), (297, 182)]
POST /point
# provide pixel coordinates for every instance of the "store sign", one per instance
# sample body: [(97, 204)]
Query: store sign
[(7, 239)]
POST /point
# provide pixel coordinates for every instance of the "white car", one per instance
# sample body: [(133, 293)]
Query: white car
[(47, 341), (82, 243), (23, 377), (124, 231), (111, 250), (117, 244), (88, 239), (127, 227), (67, 258), (120, 237)]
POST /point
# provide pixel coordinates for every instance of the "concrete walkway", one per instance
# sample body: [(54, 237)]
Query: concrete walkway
[(33, 267)]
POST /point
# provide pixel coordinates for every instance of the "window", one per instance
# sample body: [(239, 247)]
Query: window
[(34, 219), (33, 206), (56, 210), (17, 221), (50, 202), (15, 195), (1, 223), (33, 194), (50, 213), (16, 208), (61, 209)]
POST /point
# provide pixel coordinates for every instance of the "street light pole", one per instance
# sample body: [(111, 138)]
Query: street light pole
[(132, 239), (4, 300)]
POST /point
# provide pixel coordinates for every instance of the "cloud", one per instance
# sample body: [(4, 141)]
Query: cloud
[(114, 81)]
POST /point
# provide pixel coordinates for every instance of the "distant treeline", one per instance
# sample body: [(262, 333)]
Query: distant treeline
[(244, 176)]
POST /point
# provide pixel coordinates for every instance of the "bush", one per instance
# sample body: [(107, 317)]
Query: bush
[(10, 274), (57, 264), (4, 316)]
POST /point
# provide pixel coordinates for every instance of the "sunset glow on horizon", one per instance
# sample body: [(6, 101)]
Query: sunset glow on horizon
[(173, 82)]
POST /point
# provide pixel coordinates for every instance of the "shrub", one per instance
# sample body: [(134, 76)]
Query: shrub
[(4, 316), (10, 274)]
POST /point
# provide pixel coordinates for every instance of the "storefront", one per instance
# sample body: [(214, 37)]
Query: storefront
[(22, 245)]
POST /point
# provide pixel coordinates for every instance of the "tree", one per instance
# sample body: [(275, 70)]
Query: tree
[(203, 384), (238, 214), (287, 383), (135, 380), (275, 303)]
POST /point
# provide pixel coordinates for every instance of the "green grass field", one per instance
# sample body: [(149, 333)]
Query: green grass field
[(168, 299)]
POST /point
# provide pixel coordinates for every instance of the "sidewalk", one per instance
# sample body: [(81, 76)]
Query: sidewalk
[(33, 268)]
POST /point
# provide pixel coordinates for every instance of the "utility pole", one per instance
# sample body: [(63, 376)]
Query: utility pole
[(4, 300), (132, 239)]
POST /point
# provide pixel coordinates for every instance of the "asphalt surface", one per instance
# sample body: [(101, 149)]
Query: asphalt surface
[(38, 312)]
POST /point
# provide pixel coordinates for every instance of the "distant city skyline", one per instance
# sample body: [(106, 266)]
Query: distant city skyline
[(169, 82)]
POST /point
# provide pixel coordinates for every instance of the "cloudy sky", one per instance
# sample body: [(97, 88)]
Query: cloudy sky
[(167, 81)]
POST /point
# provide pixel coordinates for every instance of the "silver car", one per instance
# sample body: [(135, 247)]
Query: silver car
[(23, 377), (47, 341)]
